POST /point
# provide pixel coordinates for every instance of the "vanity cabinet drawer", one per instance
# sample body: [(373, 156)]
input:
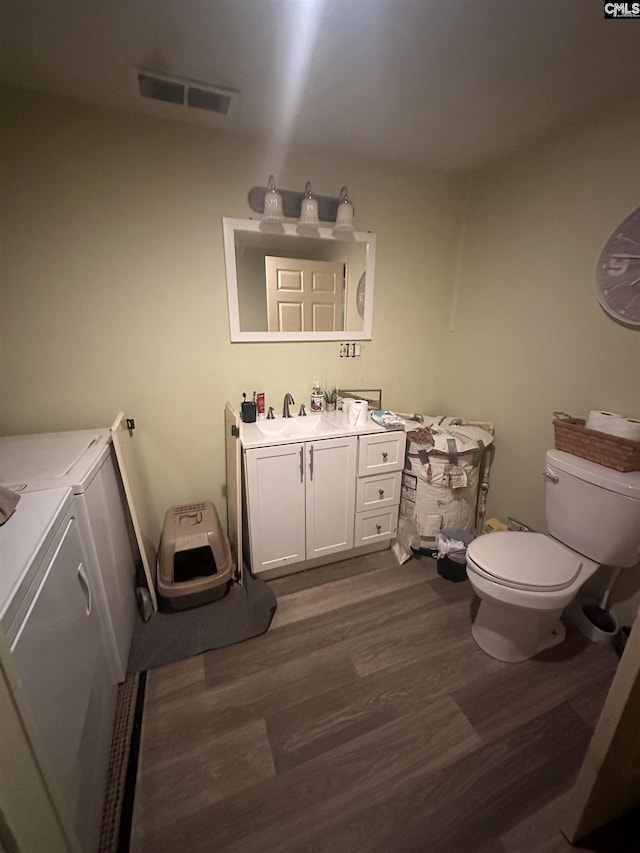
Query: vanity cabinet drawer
[(378, 492), (374, 525), (381, 452)]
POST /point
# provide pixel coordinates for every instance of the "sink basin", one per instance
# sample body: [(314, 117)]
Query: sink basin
[(295, 427)]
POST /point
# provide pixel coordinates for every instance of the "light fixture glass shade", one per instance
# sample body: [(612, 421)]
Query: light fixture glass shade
[(273, 211), (309, 219), (344, 215)]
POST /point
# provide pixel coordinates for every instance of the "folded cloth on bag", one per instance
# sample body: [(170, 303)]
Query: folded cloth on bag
[(387, 419), (8, 503), (421, 435)]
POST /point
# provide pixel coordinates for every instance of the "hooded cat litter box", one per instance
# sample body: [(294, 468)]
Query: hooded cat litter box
[(194, 559)]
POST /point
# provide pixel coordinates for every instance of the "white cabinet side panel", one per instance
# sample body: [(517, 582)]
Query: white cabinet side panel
[(234, 485), (115, 563), (135, 494)]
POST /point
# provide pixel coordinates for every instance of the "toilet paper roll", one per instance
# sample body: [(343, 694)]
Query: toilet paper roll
[(614, 424), (357, 412), (603, 421), (627, 428)]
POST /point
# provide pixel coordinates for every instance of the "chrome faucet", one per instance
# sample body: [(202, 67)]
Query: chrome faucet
[(288, 401)]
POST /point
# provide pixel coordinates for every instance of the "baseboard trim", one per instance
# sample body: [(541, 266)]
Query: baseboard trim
[(316, 562)]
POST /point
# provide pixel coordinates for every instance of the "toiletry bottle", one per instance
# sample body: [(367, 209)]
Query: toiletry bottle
[(317, 398)]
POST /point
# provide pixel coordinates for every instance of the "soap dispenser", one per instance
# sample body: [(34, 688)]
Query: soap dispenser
[(317, 398)]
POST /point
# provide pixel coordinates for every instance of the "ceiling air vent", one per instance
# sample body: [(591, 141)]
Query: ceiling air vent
[(160, 90), (186, 93)]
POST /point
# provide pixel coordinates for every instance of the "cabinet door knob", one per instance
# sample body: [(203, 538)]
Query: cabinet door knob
[(384, 455), (378, 527), (381, 492)]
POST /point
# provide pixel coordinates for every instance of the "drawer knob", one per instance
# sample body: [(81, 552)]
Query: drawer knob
[(381, 492), (384, 455), (378, 527)]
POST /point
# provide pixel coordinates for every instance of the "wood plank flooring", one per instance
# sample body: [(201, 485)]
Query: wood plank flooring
[(366, 719)]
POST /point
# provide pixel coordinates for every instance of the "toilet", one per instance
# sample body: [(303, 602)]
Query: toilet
[(525, 580)]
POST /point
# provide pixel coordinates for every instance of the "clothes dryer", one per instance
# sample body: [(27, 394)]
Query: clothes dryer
[(61, 679), (84, 461)]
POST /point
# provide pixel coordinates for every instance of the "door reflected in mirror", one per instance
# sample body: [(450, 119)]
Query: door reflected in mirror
[(286, 286)]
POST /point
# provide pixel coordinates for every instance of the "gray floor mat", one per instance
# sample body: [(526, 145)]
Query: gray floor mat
[(246, 611)]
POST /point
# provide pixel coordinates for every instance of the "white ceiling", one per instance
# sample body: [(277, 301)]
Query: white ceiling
[(450, 84)]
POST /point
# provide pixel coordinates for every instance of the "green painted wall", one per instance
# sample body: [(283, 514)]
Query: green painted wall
[(114, 290), (529, 337)]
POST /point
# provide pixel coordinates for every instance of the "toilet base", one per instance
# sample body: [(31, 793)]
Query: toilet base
[(514, 634)]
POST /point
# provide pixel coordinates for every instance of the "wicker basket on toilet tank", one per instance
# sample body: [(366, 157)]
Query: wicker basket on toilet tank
[(612, 451)]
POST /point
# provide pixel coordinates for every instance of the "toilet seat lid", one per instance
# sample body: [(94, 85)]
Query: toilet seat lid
[(525, 560)]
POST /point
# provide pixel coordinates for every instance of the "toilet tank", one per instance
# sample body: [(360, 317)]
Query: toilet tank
[(592, 509)]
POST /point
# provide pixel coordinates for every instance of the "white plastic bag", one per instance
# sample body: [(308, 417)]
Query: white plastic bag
[(407, 538), (453, 544)]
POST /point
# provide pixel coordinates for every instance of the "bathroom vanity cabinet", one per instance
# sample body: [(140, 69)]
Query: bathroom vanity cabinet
[(307, 501), (300, 500)]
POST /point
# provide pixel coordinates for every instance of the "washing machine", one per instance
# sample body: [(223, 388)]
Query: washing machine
[(60, 674), (84, 461)]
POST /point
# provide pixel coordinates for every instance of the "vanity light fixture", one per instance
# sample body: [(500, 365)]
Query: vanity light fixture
[(309, 220), (277, 207), (273, 210), (344, 215)]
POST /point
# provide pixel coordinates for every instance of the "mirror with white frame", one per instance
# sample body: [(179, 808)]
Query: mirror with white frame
[(283, 285)]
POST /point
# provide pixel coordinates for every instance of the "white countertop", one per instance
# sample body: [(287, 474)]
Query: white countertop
[(329, 425)]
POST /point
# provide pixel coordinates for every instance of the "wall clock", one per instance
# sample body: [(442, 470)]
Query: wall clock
[(618, 273)]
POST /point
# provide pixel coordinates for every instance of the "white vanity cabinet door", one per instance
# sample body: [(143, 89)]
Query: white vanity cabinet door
[(330, 495), (276, 505)]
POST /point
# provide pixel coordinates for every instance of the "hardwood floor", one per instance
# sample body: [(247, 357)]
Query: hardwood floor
[(366, 719)]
